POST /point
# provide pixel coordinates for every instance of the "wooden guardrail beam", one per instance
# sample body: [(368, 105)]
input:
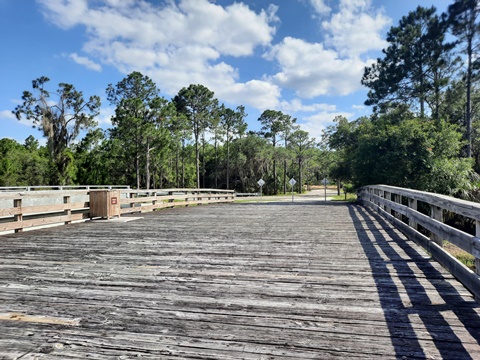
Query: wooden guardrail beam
[(387, 199), (29, 209)]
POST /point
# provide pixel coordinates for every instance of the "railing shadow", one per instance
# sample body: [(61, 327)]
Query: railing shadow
[(380, 246)]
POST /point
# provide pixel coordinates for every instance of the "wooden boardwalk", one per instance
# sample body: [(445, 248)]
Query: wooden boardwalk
[(286, 280)]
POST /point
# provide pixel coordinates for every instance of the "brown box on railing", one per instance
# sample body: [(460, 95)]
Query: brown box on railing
[(104, 203)]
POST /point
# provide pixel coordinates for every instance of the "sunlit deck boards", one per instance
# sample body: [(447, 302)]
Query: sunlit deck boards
[(238, 281)]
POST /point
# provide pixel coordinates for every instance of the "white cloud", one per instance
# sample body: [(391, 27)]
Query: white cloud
[(256, 93), (296, 105), (82, 60), (315, 124), (311, 70), (356, 28), (7, 114), (175, 43), (105, 116), (183, 42), (320, 6), (358, 107)]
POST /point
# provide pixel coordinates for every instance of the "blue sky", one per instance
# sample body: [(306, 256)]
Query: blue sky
[(303, 57)]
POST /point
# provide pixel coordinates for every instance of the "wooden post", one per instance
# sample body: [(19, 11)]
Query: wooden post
[(154, 201), (437, 214), (477, 259), (68, 211), (132, 204), (412, 204), (387, 196), (17, 203), (398, 199)]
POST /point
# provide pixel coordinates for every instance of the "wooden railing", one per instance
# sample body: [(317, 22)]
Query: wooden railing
[(401, 207), (132, 201), (31, 209)]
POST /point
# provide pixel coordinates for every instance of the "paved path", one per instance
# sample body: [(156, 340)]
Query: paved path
[(313, 195), (302, 280)]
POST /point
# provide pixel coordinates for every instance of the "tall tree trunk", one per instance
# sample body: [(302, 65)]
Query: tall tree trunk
[(228, 163), (137, 166), (300, 179), (275, 191), (147, 166), (284, 176), (137, 158), (177, 179), (216, 163), (183, 163), (197, 158), (469, 99), (203, 160)]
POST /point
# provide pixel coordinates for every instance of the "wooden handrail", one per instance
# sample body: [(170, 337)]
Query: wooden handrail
[(389, 202), (31, 209), (22, 210), (149, 200)]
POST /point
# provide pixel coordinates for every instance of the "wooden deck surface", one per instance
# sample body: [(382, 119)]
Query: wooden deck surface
[(237, 281)]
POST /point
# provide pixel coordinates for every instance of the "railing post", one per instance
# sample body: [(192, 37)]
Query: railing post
[(154, 201), (477, 259), (397, 199), (132, 204), (67, 212), (387, 196), (412, 204), (17, 203), (437, 214)]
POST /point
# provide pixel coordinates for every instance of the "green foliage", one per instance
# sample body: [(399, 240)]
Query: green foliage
[(199, 106), (416, 64), (60, 123), (26, 165), (415, 153), (276, 125), (140, 123), (233, 124), (302, 146)]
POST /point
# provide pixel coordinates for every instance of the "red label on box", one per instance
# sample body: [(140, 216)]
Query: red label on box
[(114, 201)]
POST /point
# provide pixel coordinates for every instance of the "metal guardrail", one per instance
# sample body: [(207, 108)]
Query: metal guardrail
[(399, 206)]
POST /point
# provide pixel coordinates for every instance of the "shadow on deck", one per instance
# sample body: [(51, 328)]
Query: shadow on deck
[(441, 313)]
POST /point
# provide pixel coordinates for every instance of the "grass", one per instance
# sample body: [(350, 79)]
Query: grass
[(462, 256), (350, 197)]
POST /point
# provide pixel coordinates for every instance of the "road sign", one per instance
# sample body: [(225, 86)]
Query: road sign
[(325, 181), (292, 182), (260, 182)]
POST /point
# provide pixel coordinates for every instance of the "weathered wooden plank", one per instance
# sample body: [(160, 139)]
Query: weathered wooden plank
[(252, 281)]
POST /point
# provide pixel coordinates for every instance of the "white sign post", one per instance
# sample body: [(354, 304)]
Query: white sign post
[(261, 183), (292, 182), (325, 182)]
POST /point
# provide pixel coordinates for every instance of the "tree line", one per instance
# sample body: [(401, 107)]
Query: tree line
[(189, 141), (424, 131)]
